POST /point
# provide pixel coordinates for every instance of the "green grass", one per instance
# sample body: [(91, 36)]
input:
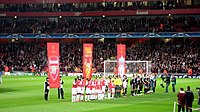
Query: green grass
[(25, 94)]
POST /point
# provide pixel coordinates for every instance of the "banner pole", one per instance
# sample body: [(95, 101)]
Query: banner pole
[(104, 67)]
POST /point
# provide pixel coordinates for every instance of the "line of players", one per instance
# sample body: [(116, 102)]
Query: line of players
[(92, 88), (140, 81), (113, 86), (95, 88)]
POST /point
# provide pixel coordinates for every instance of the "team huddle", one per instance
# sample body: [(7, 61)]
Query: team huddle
[(110, 87)]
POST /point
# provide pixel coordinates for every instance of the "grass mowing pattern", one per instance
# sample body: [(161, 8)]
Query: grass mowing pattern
[(25, 94)]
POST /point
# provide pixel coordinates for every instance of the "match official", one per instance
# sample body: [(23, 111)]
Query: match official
[(173, 83), (117, 84), (46, 89), (189, 99), (167, 81)]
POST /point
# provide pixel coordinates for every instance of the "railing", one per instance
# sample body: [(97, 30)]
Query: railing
[(63, 1), (106, 35), (19, 73)]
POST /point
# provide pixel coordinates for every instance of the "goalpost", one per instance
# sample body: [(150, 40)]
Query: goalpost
[(131, 67)]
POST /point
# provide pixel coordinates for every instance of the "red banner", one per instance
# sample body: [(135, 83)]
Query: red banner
[(53, 64), (121, 53), (87, 60)]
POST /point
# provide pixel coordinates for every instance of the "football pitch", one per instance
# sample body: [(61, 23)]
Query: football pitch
[(25, 94)]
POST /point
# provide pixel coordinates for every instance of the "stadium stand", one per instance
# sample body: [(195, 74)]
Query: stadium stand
[(52, 17), (101, 25), (109, 6), (177, 56)]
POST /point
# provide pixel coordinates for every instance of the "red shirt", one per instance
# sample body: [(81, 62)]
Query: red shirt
[(103, 82), (78, 83), (111, 85), (74, 85), (89, 85), (86, 84), (96, 84), (93, 84), (181, 98), (82, 83)]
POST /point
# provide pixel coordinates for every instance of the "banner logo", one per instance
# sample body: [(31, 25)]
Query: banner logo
[(88, 50), (54, 67), (121, 67)]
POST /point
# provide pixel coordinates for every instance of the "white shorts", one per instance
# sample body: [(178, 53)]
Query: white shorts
[(109, 90), (93, 90), (99, 91), (74, 91), (78, 89), (88, 91), (113, 90), (124, 87), (103, 89), (82, 90), (96, 90)]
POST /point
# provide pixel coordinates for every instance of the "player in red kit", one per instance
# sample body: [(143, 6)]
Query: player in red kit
[(74, 90), (93, 95), (111, 87), (79, 85), (96, 88), (82, 88), (102, 87), (88, 85), (90, 89)]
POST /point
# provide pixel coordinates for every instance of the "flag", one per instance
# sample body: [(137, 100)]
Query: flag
[(121, 53), (87, 60), (53, 65)]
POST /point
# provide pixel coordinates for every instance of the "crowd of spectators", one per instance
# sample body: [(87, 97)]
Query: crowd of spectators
[(22, 56), (101, 25), (80, 7), (175, 56)]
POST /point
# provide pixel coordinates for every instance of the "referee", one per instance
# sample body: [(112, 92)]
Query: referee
[(118, 84), (46, 89)]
